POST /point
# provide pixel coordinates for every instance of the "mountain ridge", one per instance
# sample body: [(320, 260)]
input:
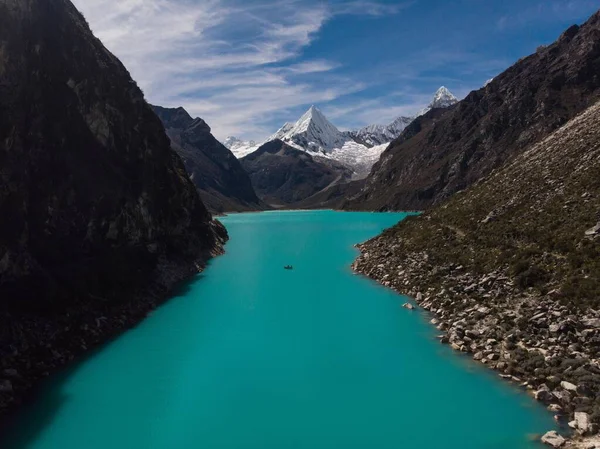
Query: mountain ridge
[(283, 175), (100, 218), (441, 153), (509, 267), (223, 184), (357, 149)]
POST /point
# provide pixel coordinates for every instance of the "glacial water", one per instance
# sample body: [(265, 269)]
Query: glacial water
[(251, 356)]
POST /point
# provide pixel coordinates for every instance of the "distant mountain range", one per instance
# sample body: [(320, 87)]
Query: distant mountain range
[(357, 149)]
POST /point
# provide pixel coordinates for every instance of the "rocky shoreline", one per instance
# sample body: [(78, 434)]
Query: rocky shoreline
[(549, 350), (35, 347)]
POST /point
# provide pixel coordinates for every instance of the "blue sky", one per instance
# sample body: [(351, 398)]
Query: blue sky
[(248, 66)]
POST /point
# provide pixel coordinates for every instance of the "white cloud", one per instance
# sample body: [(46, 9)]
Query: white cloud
[(230, 62), (238, 64), (371, 8)]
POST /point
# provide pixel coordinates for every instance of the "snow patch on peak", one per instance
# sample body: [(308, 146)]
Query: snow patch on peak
[(442, 98), (313, 132), (240, 148), (375, 135), (231, 141)]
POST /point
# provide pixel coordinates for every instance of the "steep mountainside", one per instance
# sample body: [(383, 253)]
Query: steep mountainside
[(99, 218), (442, 154), (220, 179), (510, 268), (331, 197), (282, 175)]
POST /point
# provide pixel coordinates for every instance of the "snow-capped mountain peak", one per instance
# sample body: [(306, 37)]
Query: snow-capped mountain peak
[(238, 147), (358, 149), (443, 98), (231, 141), (312, 132), (374, 135)]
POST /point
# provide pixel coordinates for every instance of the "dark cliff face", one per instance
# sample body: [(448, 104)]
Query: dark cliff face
[(283, 175), (446, 151), (95, 205), (220, 179)]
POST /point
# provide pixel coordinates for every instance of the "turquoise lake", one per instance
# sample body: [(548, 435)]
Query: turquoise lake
[(251, 356)]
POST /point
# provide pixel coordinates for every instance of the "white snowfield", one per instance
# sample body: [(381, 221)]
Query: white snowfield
[(358, 149)]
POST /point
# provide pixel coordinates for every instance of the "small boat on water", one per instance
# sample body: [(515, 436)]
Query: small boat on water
[(288, 267)]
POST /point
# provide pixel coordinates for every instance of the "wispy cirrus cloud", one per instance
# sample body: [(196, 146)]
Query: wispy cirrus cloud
[(247, 66), (370, 7), (232, 62)]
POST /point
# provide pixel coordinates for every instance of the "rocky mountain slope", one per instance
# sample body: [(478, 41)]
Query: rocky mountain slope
[(283, 175), (99, 216), (332, 197), (217, 174), (510, 270), (440, 154)]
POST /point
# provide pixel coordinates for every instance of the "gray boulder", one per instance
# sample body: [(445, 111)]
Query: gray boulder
[(582, 422), (568, 386), (553, 439)]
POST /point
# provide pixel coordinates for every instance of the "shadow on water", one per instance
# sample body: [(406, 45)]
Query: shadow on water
[(22, 427)]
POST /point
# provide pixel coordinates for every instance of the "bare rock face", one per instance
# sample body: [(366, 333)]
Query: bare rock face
[(99, 218), (223, 184), (446, 151)]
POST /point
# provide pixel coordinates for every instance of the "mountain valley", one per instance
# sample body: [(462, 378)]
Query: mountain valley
[(108, 201)]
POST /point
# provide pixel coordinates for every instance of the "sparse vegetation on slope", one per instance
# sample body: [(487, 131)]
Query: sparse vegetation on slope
[(510, 268)]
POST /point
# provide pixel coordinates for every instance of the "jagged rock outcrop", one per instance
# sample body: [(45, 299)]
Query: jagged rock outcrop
[(217, 174), (99, 218), (440, 154), (510, 273), (282, 175)]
